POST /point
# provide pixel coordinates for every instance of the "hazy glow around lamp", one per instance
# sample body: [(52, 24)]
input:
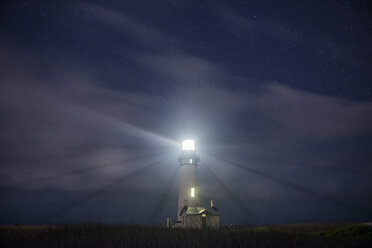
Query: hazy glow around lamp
[(188, 145)]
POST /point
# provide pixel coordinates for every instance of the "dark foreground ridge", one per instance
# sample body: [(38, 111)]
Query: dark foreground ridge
[(97, 235)]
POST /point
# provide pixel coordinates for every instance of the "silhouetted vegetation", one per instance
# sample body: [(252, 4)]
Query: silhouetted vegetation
[(139, 236)]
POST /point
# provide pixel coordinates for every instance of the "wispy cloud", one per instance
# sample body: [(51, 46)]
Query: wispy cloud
[(121, 22), (80, 121), (311, 115), (52, 128)]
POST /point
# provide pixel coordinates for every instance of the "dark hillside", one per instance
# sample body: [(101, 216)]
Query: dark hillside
[(139, 236)]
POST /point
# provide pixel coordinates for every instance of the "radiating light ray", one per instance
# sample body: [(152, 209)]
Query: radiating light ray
[(230, 150), (157, 210), (97, 192), (124, 126), (243, 208), (79, 171), (133, 130), (325, 198)]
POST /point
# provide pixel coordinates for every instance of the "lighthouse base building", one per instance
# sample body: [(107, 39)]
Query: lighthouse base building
[(190, 214), (199, 217)]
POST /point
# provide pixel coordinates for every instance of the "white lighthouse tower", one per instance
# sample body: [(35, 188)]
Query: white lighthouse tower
[(188, 194), (190, 214)]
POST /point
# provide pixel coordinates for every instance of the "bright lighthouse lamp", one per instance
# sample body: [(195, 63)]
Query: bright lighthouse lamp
[(188, 145)]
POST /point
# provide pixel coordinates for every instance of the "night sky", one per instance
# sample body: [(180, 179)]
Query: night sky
[(96, 96)]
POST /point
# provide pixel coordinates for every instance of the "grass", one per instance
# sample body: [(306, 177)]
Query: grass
[(359, 232), (96, 235)]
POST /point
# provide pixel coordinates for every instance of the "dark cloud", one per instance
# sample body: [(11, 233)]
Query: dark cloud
[(331, 48)]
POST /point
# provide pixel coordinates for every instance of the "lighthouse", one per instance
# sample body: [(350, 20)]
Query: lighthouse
[(188, 193), (190, 213)]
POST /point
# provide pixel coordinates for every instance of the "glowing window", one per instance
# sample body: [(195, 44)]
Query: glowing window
[(190, 161), (192, 192), (188, 145)]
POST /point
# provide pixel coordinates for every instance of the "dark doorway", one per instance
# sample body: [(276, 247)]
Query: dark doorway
[(204, 220)]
